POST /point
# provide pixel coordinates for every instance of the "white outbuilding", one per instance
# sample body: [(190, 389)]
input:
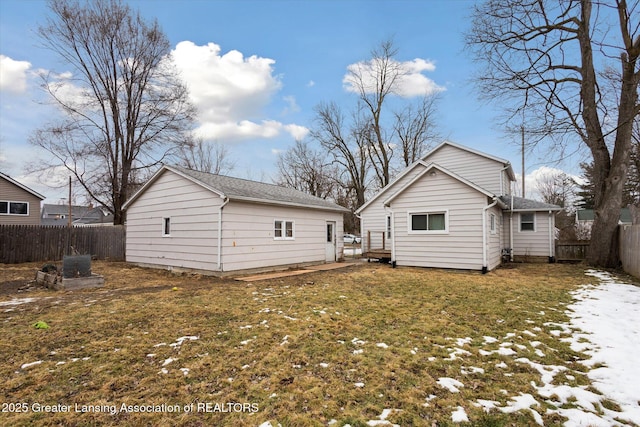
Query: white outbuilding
[(187, 220)]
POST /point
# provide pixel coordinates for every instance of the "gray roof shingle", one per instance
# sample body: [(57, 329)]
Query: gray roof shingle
[(522, 204), (260, 192)]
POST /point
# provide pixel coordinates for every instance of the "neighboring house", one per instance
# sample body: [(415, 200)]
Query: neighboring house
[(453, 209), (18, 203), (585, 218), (188, 220), (80, 215)]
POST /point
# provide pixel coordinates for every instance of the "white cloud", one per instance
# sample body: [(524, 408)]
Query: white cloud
[(411, 82), (13, 74), (292, 106), (230, 92), (311, 83)]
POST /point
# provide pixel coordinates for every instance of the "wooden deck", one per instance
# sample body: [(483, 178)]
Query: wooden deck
[(381, 254)]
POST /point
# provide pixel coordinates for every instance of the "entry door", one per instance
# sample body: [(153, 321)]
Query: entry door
[(330, 238)]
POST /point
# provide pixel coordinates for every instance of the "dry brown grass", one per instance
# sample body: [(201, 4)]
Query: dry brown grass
[(302, 350)]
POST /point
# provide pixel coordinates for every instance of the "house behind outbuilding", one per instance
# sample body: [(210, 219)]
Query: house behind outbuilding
[(184, 219), (18, 203)]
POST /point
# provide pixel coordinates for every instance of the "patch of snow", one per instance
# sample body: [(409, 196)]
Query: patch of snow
[(324, 365), (522, 402), (489, 340), (28, 365), (506, 351), (359, 351), (450, 384), (487, 405), (17, 301), (459, 416), (359, 385), (609, 313), (167, 361), (180, 340), (382, 345), (460, 342), (185, 371)]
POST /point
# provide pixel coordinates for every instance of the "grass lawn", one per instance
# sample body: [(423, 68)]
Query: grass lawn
[(412, 346)]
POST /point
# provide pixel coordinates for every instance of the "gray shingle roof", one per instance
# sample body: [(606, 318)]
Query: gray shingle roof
[(521, 204), (260, 192)]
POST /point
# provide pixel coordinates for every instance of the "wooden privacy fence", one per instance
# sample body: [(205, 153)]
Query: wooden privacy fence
[(630, 248), (27, 243), (571, 251)]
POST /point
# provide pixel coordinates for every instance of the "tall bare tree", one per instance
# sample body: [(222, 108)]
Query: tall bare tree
[(125, 108), (346, 143), (542, 60), (206, 156), (374, 80)]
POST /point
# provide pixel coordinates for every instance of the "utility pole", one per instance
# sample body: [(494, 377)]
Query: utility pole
[(523, 174), (69, 221)]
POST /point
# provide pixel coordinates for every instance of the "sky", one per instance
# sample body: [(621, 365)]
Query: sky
[(257, 69)]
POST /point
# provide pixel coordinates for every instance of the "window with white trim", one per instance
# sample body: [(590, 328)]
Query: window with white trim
[(527, 221), (8, 207), (166, 226), (283, 230), (492, 223), (428, 222)]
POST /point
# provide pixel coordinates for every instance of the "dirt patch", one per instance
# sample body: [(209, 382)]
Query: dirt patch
[(13, 287)]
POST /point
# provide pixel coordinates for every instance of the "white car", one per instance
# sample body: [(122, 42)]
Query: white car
[(352, 239)]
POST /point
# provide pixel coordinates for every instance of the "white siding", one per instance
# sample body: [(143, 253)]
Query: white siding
[(480, 170), (373, 218), (530, 243), (248, 236), (461, 247), (193, 240)]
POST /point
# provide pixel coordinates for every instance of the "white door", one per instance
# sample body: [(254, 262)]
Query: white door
[(330, 245)]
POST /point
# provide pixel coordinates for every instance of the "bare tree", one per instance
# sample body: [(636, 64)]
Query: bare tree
[(348, 145), (206, 156), (305, 169), (374, 80), (557, 188), (125, 108), (415, 128), (545, 54)]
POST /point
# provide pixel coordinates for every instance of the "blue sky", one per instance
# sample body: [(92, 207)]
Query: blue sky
[(281, 57)]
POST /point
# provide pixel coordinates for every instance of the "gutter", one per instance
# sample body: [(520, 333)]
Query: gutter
[(484, 234), (224, 203)]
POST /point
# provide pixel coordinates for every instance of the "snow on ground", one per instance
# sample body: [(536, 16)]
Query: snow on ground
[(608, 313)]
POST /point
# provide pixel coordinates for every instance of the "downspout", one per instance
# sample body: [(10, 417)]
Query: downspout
[(484, 235), (552, 257), (511, 231), (393, 239), (224, 203)]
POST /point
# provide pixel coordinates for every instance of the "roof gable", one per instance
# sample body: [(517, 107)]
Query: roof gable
[(245, 190), (431, 167), (21, 186), (505, 163)]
